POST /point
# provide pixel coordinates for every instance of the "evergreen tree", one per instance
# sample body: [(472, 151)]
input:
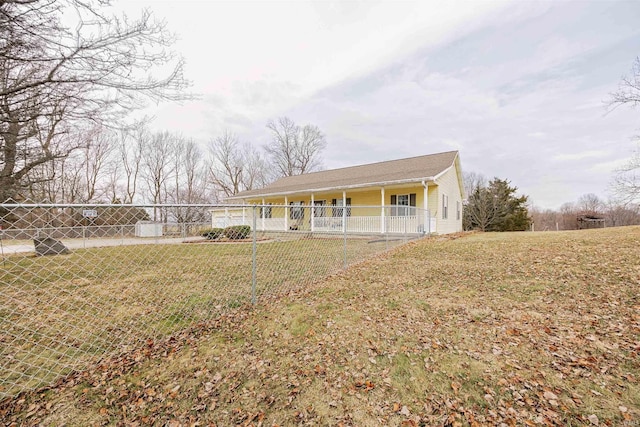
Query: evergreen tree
[(496, 207)]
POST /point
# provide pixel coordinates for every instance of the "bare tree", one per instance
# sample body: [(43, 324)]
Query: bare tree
[(158, 168), (78, 176), (226, 163), (254, 173), (190, 183), (131, 147), (310, 144), (235, 166), (194, 189), (568, 216), (471, 181), (481, 210), (93, 160), (294, 150), (112, 185), (626, 182), (619, 214), (53, 74), (544, 220), (590, 204), (47, 182), (30, 136)]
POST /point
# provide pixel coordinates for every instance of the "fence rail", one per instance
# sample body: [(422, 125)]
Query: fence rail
[(79, 283)]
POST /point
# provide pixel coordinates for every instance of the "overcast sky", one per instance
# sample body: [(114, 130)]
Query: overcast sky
[(519, 88)]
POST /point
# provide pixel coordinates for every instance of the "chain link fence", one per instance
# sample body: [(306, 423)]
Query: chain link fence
[(81, 283)]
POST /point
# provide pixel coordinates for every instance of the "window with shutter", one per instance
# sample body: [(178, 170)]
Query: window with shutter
[(445, 206)]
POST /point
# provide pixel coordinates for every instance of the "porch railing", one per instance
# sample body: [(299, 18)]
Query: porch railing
[(352, 219)]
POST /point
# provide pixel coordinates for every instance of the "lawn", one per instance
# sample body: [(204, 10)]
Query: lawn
[(63, 313), (478, 329)]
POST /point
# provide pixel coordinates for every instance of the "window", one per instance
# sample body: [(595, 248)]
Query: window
[(297, 210), (445, 206), (458, 210), (265, 211), (403, 201), (319, 210), (337, 210), (403, 204)]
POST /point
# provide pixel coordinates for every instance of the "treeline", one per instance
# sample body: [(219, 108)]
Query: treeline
[(612, 213), (137, 165), (495, 205)]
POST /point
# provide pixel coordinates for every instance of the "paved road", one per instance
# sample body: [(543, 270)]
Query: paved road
[(9, 248)]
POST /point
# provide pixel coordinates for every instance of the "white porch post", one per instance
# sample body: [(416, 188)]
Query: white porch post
[(263, 213), (226, 217), (344, 211), (312, 213), (286, 213), (243, 215), (427, 215), (382, 220)]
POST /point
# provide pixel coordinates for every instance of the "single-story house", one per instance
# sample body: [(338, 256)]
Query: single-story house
[(415, 195)]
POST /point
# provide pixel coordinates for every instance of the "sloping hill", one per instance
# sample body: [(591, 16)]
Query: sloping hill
[(479, 329)]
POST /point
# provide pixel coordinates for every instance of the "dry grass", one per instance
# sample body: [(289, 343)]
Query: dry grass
[(61, 314), (521, 329)]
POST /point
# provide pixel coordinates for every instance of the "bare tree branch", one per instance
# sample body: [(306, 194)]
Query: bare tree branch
[(629, 88), (55, 77), (626, 182), (226, 163), (294, 150)]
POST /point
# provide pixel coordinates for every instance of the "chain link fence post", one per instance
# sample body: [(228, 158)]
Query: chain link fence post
[(254, 269), (344, 231)]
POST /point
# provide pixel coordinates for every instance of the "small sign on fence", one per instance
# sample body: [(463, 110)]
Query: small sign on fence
[(89, 213)]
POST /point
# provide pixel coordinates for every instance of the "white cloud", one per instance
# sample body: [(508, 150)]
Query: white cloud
[(607, 167), (581, 155), (311, 44), (517, 87)]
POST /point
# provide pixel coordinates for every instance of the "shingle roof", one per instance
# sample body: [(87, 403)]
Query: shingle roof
[(381, 173)]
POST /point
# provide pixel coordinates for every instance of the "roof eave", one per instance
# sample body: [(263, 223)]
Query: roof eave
[(337, 188)]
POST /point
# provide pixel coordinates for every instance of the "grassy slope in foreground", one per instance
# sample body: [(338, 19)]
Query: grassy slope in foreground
[(525, 329)]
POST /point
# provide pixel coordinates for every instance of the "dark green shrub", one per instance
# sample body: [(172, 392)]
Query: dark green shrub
[(237, 232), (213, 233)]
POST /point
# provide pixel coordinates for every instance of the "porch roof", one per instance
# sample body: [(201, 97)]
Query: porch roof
[(414, 169)]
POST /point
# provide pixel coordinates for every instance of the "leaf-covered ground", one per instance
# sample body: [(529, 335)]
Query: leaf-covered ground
[(480, 329)]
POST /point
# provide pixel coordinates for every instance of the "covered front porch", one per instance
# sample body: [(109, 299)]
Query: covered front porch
[(327, 219), (402, 208)]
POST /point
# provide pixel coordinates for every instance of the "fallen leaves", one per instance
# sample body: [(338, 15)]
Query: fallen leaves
[(472, 337), (365, 385)]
